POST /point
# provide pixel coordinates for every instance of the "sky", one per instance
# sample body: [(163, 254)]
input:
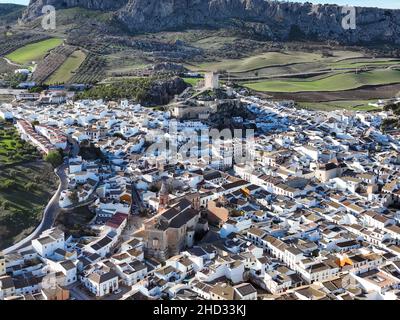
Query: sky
[(393, 4)]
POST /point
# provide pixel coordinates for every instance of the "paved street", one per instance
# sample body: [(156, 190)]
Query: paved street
[(78, 292)]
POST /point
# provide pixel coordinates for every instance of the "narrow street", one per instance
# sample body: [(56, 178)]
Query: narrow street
[(78, 292)]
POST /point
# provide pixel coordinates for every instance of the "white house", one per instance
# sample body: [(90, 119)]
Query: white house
[(131, 272), (48, 242), (102, 281)]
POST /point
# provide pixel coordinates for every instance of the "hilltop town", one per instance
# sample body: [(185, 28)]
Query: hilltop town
[(299, 205)]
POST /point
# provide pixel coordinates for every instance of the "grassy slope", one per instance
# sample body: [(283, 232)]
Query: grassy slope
[(344, 81), (32, 184), (366, 63), (257, 62), (270, 59), (192, 81), (22, 209), (13, 149), (10, 13), (34, 51), (358, 105), (65, 72)]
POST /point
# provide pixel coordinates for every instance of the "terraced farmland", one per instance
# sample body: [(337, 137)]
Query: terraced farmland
[(338, 82), (357, 105), (34, 51), (15, 41), (258, 62), (67, 70), (92, 70), (52, 62), (276, 59)]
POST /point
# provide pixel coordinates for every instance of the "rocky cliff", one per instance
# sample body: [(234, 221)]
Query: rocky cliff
[(267, 19), (35, 6)]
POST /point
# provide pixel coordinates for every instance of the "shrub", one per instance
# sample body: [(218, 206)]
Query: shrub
[(54, 158), (7, 184)]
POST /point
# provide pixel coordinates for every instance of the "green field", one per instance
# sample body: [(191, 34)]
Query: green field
[(66, 71), (277, 59), (192, 81), (337, 82), (259, 61), (357, 105), (365, 63), (34, 51), (12, 148)]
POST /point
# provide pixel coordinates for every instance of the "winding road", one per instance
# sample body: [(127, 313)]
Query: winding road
[(50, 213)]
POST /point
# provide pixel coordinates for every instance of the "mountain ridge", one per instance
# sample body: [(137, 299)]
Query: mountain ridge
[(270, 20), (10, 12)]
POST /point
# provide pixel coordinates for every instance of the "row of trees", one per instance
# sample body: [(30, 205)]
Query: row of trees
[(52, 62)]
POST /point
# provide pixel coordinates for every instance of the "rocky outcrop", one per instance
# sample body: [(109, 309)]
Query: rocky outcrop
[(169, 68), (267, 19), (162, 91), (224, 110), (35, 6)]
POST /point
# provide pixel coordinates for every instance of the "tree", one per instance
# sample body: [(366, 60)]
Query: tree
[(30, 186), (54, 158), (74, 197), (154, 188), (315, 253), (119, 135), (6, 205)]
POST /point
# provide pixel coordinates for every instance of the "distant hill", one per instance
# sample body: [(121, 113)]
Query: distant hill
[(268, 20), (10, 13)]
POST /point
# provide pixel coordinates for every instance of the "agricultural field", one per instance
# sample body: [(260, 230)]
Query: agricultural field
[(358, 105), (52, 62), (92, 70), (34, 51), (13, 41), (337, 82), (67, 70), (362, 63), (24, 192), (257, 62), (12, 149), (312, 76)]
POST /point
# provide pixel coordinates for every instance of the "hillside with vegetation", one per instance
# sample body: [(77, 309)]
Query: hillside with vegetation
[(26, 185), (148, 91), (9, 12)]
